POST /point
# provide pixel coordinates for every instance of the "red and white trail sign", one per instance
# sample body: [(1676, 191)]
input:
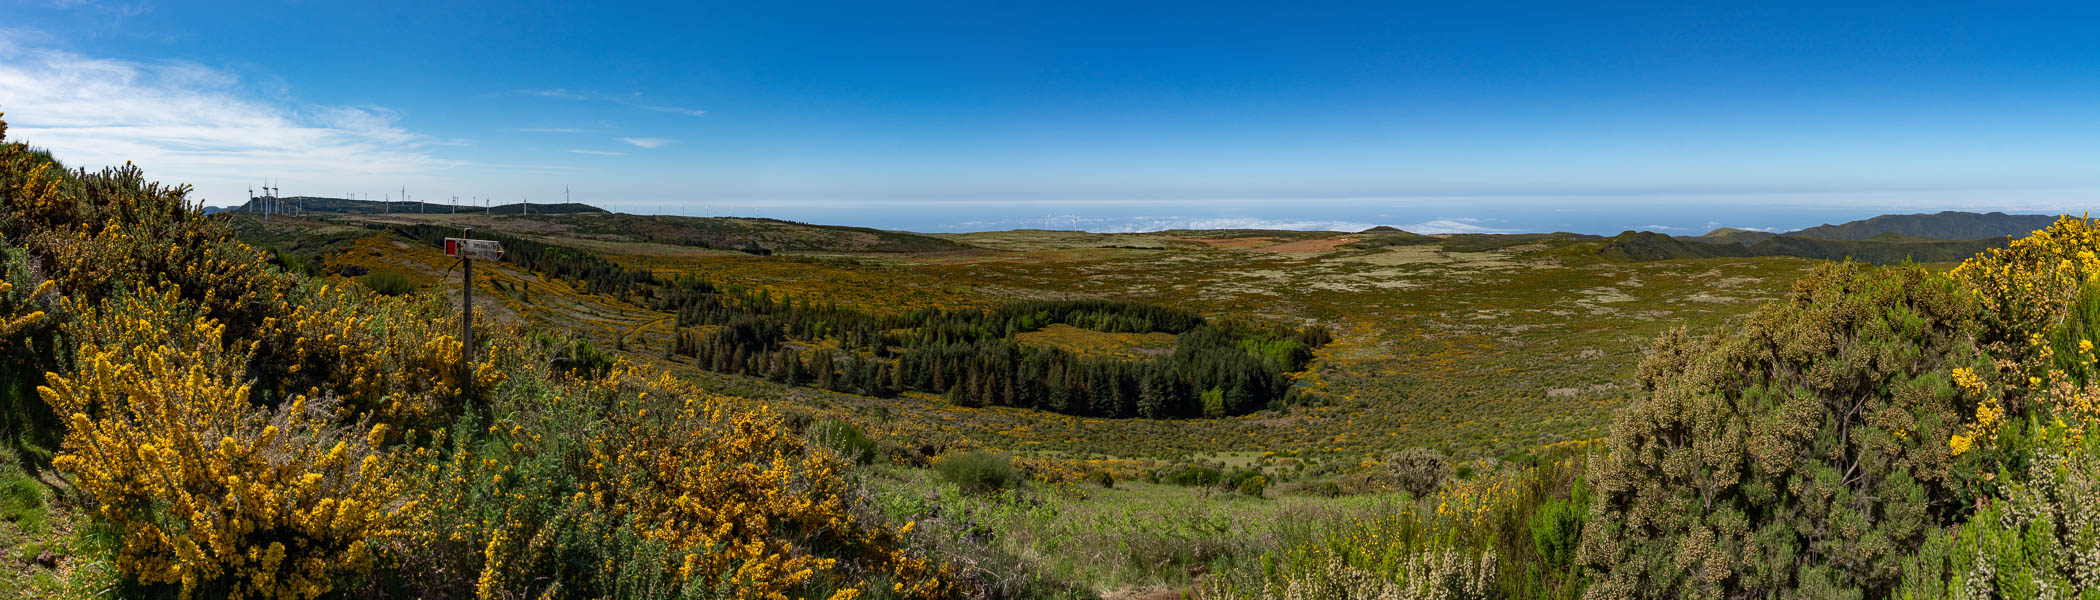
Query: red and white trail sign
[(474, 249)]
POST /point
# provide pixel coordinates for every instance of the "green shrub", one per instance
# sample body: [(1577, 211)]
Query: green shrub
[(291, 262), (845, 439), (1253, 486), (1556, 528), (1213, 403), (1101, 478), (388, 282), (1192, 476), (574, 356), (1238, 477), (978, 472), (2037, 541), (1803, 453), (1323, 489), (1418, 471)]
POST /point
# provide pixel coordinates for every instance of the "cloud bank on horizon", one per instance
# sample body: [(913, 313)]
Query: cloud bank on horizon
[(1150, 224), (203, 126)]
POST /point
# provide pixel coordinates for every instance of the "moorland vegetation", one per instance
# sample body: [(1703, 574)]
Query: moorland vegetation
[(186, 417), (229, 430), (1216, 367)]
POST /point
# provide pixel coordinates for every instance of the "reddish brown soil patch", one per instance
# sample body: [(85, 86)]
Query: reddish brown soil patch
[(1238, 243), (1307, 246)]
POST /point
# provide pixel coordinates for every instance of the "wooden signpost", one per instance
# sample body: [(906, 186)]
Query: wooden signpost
[(466, 250)]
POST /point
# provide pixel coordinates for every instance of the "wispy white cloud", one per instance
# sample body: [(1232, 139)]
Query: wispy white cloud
[(1452, 225), (1148, 224), (193, 124), (599, 153), (676, 110), (634, 100), (1712, 225), (647, 142), (119, 9), (555, 93), (1664, 228)]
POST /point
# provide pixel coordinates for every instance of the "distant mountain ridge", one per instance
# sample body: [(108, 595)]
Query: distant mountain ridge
[(1944, 236), (1945, 225), (346, 206), (1888, 248), (1737, 236)]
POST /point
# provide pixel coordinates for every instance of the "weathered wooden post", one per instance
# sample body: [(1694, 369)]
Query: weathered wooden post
[(467, 249), (466, 316)]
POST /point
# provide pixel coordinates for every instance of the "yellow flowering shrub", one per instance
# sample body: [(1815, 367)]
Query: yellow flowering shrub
[(2042, 295), (29, 185), (210, 492), (16, 315), (2025, 287), (720, 482), (29, 345), (396, 360), (134, 233), (252, 433), (634, 484), (103, 230)]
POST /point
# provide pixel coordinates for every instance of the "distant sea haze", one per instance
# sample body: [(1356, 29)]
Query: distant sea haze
[(1589, 216)]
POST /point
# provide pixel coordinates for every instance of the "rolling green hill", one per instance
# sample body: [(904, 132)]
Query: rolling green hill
[(1889, 248), (315, 205), (1731, 235), (733, 233), (1945, 225), (608, 230)]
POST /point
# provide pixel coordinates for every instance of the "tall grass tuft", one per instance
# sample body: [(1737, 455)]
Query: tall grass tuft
[(388, 282), (978, 472)]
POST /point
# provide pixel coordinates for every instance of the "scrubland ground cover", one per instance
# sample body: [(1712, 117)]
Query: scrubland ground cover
[(1478, 352), (1490, 353), (186, 418), (189, 415)]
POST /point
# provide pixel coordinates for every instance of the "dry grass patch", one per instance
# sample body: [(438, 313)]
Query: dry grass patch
[(1087, 342)]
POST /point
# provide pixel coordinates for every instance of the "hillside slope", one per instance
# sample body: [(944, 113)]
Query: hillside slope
[(749, 235), (1945, 225), (316, 206), (1641, 246), (186, 420)]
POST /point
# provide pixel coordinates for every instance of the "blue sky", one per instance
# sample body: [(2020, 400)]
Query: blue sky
[(1104, 115)]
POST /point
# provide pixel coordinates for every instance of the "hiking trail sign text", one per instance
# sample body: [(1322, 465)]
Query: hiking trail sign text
[(474, 249)]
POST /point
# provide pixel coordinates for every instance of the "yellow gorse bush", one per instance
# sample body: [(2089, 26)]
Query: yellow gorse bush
[(17, 316), (208, 490), (252, 433), (395, 360), (30, 186), (718, 482), (2028, 291), (2025, 287)]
